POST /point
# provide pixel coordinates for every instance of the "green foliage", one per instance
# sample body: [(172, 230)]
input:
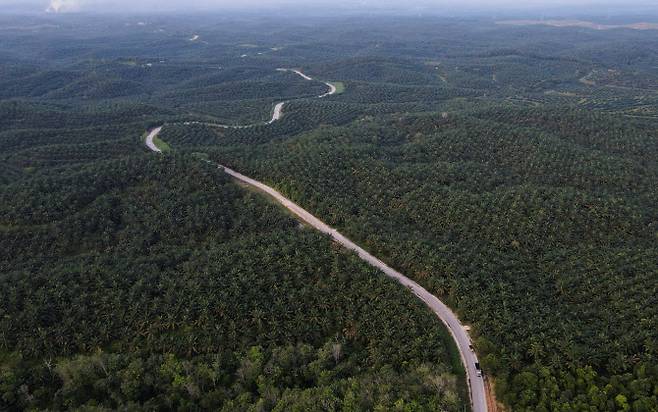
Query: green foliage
[(510, 170), (155, 282), (484, 211)]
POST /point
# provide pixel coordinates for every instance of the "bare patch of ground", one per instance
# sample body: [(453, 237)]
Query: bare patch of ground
[(580, 23)]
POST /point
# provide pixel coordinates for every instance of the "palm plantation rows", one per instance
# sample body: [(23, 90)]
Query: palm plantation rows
[(510, 170)]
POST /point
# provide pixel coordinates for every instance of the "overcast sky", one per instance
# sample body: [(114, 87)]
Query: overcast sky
[(255, 5)]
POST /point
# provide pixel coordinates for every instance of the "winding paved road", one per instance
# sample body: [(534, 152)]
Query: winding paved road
[(443, 312), (332, 88), (459, 334), (149, 139), (277, 114)]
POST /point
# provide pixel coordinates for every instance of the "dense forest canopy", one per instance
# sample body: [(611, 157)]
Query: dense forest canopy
[(160, 284), (511, 170)]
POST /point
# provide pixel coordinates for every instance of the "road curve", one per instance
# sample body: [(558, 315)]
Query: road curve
[(457, 330), (332, 88), (443, 312), (149, 139), (277, 114), (460, 336)]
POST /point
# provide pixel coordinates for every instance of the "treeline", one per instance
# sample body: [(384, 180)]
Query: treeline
[(20, 114)]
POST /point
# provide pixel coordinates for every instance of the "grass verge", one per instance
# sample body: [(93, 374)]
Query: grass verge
[(340, 87)]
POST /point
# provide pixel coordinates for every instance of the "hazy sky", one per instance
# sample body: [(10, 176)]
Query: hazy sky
[(255, 5)]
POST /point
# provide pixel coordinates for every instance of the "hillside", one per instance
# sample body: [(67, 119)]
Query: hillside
[(510, 170), (160, 284)]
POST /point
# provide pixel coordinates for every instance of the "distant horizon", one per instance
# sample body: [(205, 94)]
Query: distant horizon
[(504, 8)]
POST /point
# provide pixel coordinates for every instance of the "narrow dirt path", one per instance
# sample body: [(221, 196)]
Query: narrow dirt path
[(492, 404)]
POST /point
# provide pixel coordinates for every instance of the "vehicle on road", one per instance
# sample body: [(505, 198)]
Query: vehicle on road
[(478, 369)]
